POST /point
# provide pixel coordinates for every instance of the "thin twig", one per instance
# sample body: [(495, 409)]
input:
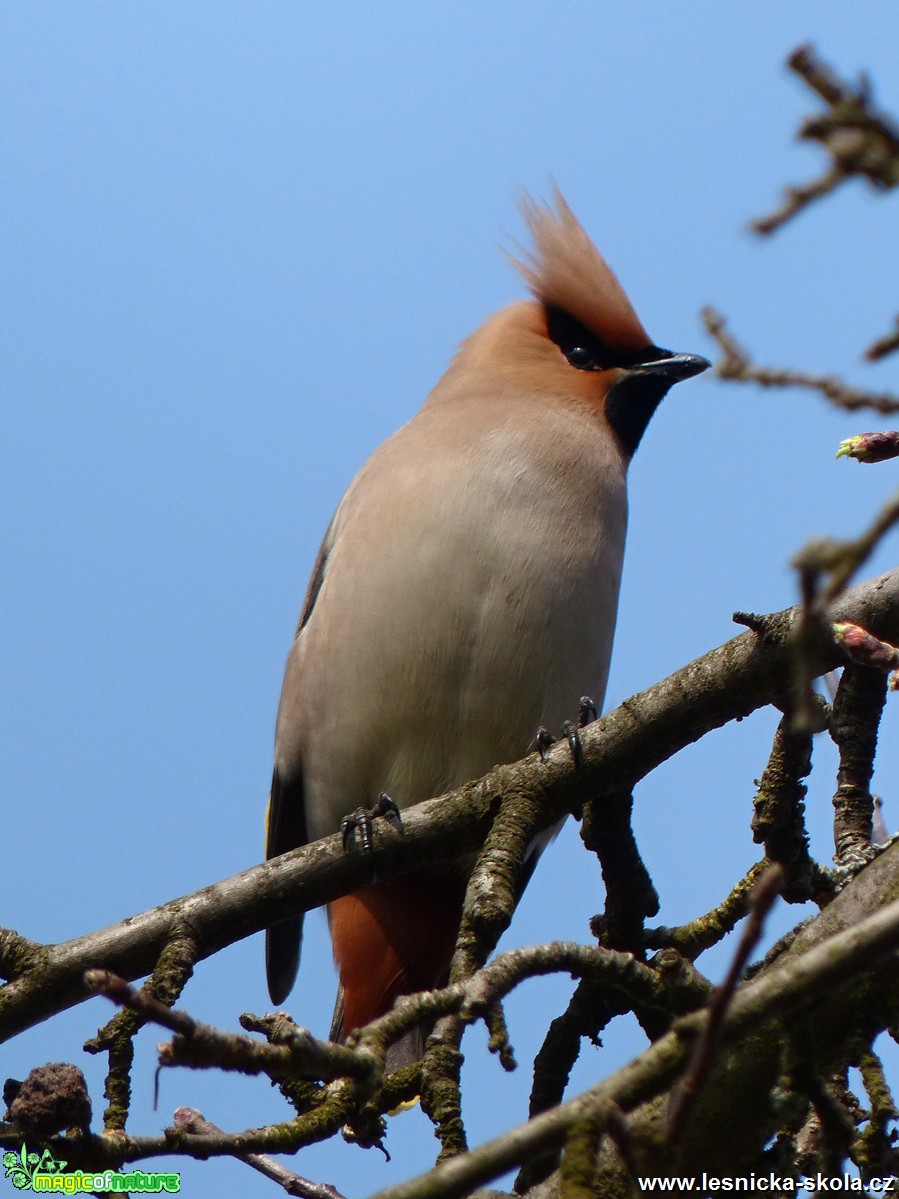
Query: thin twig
[(861, 141), (695, 937), (737, 366), (104, 982), (116, 1037), (840, 560), (799, 196), (192, 1121), (763, 897), (200, 1045), (835, 561), (887, 344), (630, 894)]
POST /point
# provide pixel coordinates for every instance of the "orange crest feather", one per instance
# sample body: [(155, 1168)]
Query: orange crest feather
[(566, 270)]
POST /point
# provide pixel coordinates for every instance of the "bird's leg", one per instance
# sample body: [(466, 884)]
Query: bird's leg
[(586, 713), (361, 820), (573, 737)]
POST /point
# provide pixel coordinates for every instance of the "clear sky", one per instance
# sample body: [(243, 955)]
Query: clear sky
[(239, 244)]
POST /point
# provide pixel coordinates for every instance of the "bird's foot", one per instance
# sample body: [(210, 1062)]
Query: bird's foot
[(570, 731), (360, 822), (543, 740)]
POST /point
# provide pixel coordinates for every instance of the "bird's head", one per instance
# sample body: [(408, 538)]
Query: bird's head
[(580, 335)]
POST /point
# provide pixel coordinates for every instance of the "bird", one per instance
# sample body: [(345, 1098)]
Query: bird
[(464, 596)]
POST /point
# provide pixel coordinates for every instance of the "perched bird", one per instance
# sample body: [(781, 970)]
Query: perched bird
[(465, 595)]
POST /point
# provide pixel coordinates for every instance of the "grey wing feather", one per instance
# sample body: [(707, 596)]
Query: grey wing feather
[(336, 1033), (317, 577), (286, 830)]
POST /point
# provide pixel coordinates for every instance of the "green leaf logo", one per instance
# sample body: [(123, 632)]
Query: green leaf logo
[(21, 1168)]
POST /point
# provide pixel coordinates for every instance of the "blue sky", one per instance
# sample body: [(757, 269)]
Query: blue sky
[(240, 243)]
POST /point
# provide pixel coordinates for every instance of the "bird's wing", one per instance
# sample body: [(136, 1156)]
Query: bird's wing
[(286, 828)]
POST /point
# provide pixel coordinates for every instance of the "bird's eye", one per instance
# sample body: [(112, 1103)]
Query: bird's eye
[(583, 349), (582, 358)]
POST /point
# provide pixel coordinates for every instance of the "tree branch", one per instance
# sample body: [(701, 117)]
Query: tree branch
[(808, 974), (737, 366), (620, 749)]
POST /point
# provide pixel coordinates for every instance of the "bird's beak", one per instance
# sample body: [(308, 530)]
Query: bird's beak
[(673, 369)]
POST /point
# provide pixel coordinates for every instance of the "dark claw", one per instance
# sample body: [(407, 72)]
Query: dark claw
[(574, 744), (587, 711), (360, 822), (543, 741), (386, 807), (357, 822)]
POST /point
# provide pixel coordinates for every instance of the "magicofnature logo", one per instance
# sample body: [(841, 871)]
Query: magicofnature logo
[(22, 1167), (30, 1171)]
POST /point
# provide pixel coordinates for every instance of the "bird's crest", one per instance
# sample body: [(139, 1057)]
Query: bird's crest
[(567, 271)]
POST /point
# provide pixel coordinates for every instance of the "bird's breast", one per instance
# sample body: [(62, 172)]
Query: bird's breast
[(469, 597)]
